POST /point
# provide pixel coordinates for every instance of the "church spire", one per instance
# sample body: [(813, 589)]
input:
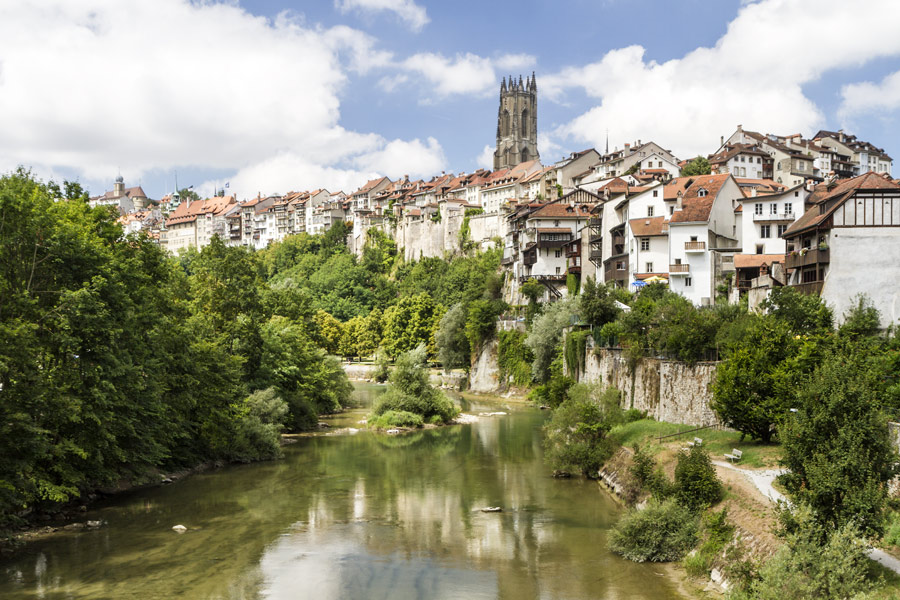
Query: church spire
[(503, 85)]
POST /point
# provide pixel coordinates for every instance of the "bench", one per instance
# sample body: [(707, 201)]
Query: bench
[(735, 455), (697, 442)]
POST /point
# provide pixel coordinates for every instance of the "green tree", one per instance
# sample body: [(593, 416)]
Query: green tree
[(452, 344), (329, 332), (351, 335), (837, 447), (409, 323), (545, 338), (805, 314), (596, 304), (410, 391), (697, 166), (755, 386)]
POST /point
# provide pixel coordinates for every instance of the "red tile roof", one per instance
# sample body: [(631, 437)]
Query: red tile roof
[(649, 226), (696, 208), (754, 261), (563, 211)]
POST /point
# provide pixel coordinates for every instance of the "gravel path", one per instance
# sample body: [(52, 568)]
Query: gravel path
[(763, 481)]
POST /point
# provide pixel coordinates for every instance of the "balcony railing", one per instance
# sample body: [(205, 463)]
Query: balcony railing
[(810, 257), (695, 246), (595, 222), (681, 268), (774, 217), (596, 254), (560, 277), (812, 287)]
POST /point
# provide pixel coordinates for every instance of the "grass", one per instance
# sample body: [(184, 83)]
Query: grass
[(890, 582), (717, 442)]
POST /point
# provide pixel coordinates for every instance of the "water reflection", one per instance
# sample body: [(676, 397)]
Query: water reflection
[(363, 516)]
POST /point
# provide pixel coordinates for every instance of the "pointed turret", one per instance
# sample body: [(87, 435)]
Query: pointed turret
[(533, 82), (521, 86), (503, 85)]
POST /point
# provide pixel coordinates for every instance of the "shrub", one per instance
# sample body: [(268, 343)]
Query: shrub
[(575, 438), (396, 418), (815, 563), (514, 358), (411, 392), (661, 532), (649, 475), (382, 366), (716, 533), (696, 482), (258, 432)]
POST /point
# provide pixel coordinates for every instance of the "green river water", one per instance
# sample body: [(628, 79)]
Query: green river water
[(354, 516)]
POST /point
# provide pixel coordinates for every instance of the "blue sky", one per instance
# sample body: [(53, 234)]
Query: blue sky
[(274, 95)]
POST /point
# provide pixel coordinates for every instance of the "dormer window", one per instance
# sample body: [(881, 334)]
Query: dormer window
[(702, 192)]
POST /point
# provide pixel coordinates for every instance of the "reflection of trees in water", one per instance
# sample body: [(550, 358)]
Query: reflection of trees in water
[(409, 495)]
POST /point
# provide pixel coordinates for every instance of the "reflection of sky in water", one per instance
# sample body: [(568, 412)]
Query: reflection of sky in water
[(336, 564), (345, 517)]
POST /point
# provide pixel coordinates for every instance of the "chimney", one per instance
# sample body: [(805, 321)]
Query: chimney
[(841, 135), (753, 192), (627, 145), (721, 140)]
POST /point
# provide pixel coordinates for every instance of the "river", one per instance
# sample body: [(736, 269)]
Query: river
[(355, 516)]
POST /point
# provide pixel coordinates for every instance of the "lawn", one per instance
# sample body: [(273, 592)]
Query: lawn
[(717, 442)]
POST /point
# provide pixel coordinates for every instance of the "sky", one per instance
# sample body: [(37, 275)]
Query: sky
[(270, 96)]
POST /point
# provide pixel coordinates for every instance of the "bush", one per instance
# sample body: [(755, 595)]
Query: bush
[(410, 391), (815, 563), (258, 431), (716, 533), (696, 483), (649, 475), (396, 418), (514, 358), (382, 366), (575, 438), (661, 532)]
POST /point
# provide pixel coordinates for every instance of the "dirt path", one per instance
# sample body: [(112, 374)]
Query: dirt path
[(763, 480)]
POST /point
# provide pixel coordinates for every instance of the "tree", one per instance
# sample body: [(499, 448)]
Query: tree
[(697, 166), (805, 314), (410, 391), (546, 335), (837, 447), (452, 344), (862, 320), (409, 323), (755, 386), (481, 323), (597, 305), (350, 337), (533, 290), (328, 332), (189, 195)]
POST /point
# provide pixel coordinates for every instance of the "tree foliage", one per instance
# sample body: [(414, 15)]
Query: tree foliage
[(697, 166)]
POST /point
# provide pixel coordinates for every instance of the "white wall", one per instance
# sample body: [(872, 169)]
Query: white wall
[(701, 271), (864, 260), (751, 226)]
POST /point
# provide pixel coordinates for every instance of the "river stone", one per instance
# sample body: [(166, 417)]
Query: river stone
[(179, 528)]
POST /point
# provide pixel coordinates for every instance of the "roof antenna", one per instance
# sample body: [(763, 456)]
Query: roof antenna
[(607, 140)]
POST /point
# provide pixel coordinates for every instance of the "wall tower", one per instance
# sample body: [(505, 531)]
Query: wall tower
[(516, 123)]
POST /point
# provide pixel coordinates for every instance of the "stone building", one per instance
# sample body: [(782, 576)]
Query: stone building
[(516, 123)]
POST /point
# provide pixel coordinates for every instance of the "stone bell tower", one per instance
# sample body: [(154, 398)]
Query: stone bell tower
[(516, 123)]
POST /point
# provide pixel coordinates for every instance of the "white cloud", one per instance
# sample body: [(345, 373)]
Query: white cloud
[(98, 86), (463, 74), (408, 11), (753, 75), (867, 97), (400, 157), (485, 160)]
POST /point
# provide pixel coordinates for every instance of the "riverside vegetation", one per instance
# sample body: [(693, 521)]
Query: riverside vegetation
[(118, 362)]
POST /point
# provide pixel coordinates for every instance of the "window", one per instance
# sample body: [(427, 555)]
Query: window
[(645, 244), (649, 268), (773, 208), (655, 193), (660, 164), (671, 210), (758, 208), (801, 166), (556, 223), (649, 211), (760, 248), (557, 270), (702, 192), (788, 208), (765, 231), (688, 282), (743, 159), (558, 253), (758, 160), (781, 230)]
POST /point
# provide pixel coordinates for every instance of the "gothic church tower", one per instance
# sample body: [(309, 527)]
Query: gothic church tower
[(516, 123)]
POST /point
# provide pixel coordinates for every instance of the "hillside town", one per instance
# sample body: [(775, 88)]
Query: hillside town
[(769, 210)]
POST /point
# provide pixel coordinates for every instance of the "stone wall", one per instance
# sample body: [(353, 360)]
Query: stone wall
[(667, 390)]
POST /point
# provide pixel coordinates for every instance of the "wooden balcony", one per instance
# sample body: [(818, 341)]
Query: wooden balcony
[(810, 257), (812, 287), (559, 278), (683, 269), (595, 222), (695, 246), (596, 254)]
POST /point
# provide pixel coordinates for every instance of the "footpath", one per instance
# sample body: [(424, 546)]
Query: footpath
[(763, 481)]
